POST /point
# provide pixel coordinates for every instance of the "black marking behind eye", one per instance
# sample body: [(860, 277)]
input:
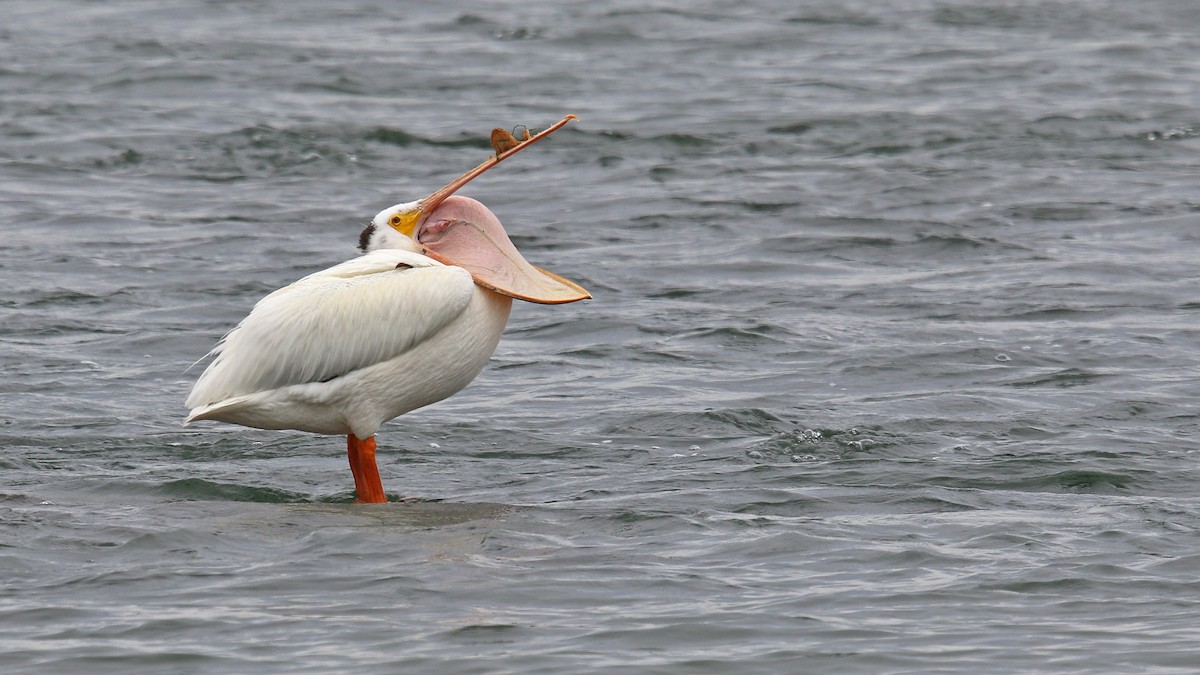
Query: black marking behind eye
[(364, 238), (403, 266)]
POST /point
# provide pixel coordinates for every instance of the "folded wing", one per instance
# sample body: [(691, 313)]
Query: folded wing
[(350, 316)]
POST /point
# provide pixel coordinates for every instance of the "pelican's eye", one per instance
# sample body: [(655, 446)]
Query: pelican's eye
[(404, 221)]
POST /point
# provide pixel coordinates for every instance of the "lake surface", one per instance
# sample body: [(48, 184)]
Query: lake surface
[(893, 363)]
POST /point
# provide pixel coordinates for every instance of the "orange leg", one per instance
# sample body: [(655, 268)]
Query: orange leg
[(367, 484)]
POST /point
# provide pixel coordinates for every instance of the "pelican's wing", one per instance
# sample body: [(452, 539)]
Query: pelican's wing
[(356, 314)]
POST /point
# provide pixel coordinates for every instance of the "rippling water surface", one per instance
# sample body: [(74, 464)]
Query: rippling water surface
[(892, 364)]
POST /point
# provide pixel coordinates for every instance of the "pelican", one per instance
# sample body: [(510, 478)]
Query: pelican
[(408, 323)]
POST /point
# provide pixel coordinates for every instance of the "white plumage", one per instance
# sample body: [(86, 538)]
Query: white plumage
[(345, 349)]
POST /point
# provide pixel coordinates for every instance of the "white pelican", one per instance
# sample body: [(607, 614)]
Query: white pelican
[(410, 322)]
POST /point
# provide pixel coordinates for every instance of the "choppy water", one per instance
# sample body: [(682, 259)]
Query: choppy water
[(892, 365)]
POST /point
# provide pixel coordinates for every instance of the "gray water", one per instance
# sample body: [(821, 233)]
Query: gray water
[(892, 364)]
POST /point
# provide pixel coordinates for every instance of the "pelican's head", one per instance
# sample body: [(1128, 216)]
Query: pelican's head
[(392, 227), (463, 232)]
